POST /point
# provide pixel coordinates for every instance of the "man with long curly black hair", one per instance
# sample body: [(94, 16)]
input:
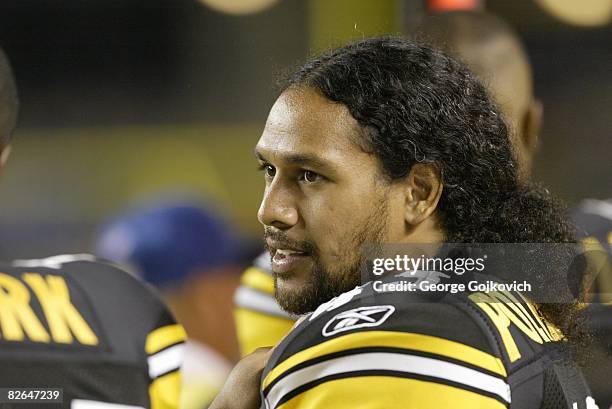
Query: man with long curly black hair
[(388, 141)]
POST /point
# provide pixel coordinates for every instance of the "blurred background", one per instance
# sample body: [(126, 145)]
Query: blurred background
[(123, 100)]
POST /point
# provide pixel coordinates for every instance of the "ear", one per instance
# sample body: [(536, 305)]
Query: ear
[(423, 190), (5, 151), (532, 123)]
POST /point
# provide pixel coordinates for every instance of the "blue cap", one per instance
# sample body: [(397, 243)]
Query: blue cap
[(166, 242)]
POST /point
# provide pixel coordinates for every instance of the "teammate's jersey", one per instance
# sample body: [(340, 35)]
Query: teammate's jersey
[(101, 335), (381, 350), (593, 219), (259, 320)]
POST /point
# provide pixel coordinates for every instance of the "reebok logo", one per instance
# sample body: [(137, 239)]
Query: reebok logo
[(361, 317)]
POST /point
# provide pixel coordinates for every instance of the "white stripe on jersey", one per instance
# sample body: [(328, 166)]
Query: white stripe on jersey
[(94, 404), (54, 262), (386, 361), (166, 360)]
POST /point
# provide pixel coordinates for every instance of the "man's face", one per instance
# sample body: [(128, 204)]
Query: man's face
[(324, 198)]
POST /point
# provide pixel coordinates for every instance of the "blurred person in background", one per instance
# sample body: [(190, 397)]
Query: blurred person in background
[(493, 51), (75, 323), (192, 256)]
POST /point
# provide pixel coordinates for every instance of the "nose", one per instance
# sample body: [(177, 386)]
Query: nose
[(277, 207)]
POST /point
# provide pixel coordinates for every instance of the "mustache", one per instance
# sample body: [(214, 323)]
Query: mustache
[(282, 239)]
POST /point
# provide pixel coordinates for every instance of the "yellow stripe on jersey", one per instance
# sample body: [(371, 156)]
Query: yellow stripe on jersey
[(163, 337), (384, 392), (418, 342), (256, 330), (258, 279), (165, 391)]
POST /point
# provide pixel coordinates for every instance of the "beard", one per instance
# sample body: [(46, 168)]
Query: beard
[(328, 281)]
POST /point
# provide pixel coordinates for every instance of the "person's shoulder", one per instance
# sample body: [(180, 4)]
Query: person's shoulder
[(91, 283), (66, 264), (368, 308), (76, 311), (85, 269), (399, 334)]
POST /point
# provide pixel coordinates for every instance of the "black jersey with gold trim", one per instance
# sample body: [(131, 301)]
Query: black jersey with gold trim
[(375, 349), (76, 323)]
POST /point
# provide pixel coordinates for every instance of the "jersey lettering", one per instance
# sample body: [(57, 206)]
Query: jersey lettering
[(16, 316), (18, 320), (504, 309)]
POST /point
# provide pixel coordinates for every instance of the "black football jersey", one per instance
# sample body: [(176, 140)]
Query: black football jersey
[(382, 349), (89, 328)]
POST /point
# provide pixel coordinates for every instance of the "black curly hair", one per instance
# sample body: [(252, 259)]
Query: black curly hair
[(415, 104)]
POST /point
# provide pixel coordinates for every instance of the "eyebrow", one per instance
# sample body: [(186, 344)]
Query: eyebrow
[(299, 159)]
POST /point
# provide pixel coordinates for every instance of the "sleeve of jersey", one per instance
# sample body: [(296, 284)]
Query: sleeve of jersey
[(386, 369), (260, 322), (164, 349)]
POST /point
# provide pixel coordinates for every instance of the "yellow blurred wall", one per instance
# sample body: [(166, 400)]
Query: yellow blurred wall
[(90, 173)]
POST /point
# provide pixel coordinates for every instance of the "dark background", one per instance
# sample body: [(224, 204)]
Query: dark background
[(125, 99)]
